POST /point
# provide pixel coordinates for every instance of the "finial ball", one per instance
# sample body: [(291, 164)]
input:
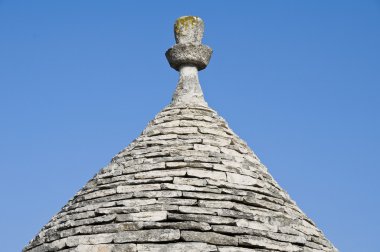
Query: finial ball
[(189, 29)]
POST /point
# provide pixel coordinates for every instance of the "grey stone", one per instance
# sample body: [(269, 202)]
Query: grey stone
[(189, 181), (255, 225), (143, 216), (159, 207), (209, 237), (211, 219), (112, 228), (198, 210), (206, 148), (113, 210), (177, 201), (182, 225), (106, 248), (74, 241), (215, 132), (177, 247), (261, 203), (143, 167), (168, 186), (216, 204), (172, 130), (255, 241), (227, 229), (201, 195), (98, 194), (160, 173), (136, 202), (240, 179), (158, 194), (189, 54), (149, 180), (95, 220), (189, 29), (154, 235), (236, 249), (203, 173)]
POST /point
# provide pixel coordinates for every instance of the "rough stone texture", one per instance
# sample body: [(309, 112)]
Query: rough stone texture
[(154, 235), (195, 55), (177, 247), (187, 183), (189, 29), (209, 237)]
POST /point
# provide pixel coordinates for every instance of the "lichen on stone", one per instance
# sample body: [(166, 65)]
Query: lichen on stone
[(185, 22)]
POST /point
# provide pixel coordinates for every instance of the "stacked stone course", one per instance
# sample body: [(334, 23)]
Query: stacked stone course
[(187, 183)]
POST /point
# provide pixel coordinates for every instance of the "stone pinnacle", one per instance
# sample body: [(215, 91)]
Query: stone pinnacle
[(188, 56)]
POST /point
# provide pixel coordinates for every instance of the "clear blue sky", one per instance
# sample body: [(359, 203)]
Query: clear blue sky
[(298, 80)]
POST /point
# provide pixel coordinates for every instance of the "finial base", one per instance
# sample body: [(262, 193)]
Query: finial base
[(188, 89)]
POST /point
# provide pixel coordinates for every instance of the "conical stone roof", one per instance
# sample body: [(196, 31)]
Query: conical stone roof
[(187, 183)]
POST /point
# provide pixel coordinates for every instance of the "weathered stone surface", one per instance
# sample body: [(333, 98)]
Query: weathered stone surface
[(198, 159), (148, 181), (198, 210), (206, 148), (106, 248), (154, 235), (158, 194), (56, 245), (177, 247), (143, 167), (112, 210), (74, 241), (167, 186), (216, 141), (136, 202), (98, 194), (190, 181), (211, 219), (159, 207), (217, 196), (143, 216), (182, 225), (172, 130), (255, 241), (111, 228), (95, 220), (88, 207), (177, 201), (236, 249), (240, 179), (216, 204), (255, 225), (136, 188), (203, 173), (216, 132), (209, 237), (160, 173), (234, 230), (182, 54), (189, 29), (261, 203)]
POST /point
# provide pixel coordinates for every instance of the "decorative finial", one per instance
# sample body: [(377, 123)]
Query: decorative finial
[(188, 56), (189, 29)]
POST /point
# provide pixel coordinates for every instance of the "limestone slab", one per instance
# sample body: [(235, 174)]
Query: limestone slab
[(154, 235)]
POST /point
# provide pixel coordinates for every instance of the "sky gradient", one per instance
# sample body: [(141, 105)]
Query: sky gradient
[(299, 81)]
